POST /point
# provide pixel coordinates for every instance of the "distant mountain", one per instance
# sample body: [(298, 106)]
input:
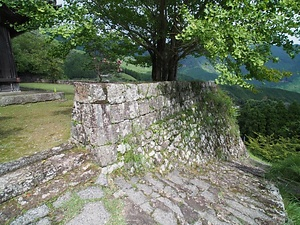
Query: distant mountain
[(240, 95), (200, 69), (197, 68)]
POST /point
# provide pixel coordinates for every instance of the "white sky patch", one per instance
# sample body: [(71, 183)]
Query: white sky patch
[(295, 40), (59, 2)]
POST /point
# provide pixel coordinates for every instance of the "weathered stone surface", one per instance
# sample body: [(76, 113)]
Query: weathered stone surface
[(62, 200), (91, 193), (222, 193), (32, 215), (23, 98), (168, 110), (116, 93), (163, 217), (102, 180), (93, 214), (131, 92), (44, 221), (105, 155), (23, 179), (24, 161), (89, 93), (228, 193)]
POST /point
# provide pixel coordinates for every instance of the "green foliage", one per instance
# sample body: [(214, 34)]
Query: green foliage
[(293, 210), (121, 77), (242, 95), (33, 54), (293, 85), (223, 104), (133, 73), (131, 157), (140, 73), (39, 13), (273, 150), (200, 69), (105, 67), (78, 66), (289, 168), (268, 117), (236, 36), (287, 175)]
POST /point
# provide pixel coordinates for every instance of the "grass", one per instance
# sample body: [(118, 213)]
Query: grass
[(67, 89), (122, 77), (286, 174), (288, 169), (114, 206), (75, 204), (293, 210), (72, 207), (30, 128), (139, 69)]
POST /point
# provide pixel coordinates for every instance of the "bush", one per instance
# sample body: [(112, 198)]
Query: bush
[(287, 175), (293, 210), (288, 168), (77, 66), (273, 150), (269, 118), (33, 55)]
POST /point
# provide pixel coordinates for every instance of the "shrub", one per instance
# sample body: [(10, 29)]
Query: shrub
[(273, 150), (288, 168), (287, 175)]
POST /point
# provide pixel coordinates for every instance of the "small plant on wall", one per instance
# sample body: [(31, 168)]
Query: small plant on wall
[(106, 68)]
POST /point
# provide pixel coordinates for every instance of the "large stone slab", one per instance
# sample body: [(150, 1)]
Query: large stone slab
[(14, 98)]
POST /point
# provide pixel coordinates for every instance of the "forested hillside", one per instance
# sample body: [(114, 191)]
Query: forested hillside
[(241, 95), (200, 69)]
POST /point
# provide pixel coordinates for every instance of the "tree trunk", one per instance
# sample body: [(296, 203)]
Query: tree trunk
[(7, 63), (164, 68), (165, 57)]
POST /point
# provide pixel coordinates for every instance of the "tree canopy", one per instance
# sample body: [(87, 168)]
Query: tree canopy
[(30, 14), (33, 55), (237, 36), (234, 35), (268, 118)]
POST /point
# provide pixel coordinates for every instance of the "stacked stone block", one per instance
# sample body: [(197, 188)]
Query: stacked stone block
[(154, 124)]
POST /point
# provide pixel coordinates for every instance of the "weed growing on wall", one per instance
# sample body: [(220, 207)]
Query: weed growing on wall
[(128, 154), (199, 133), (220, 111)]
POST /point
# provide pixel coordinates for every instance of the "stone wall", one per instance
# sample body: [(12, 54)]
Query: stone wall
[(14, 98), (20, 176), (161, 125)]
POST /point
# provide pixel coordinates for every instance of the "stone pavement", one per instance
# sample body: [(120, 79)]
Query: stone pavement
[(218, 193)]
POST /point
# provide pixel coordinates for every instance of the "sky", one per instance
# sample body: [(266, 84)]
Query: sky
[(296, 40), (59, 2)]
